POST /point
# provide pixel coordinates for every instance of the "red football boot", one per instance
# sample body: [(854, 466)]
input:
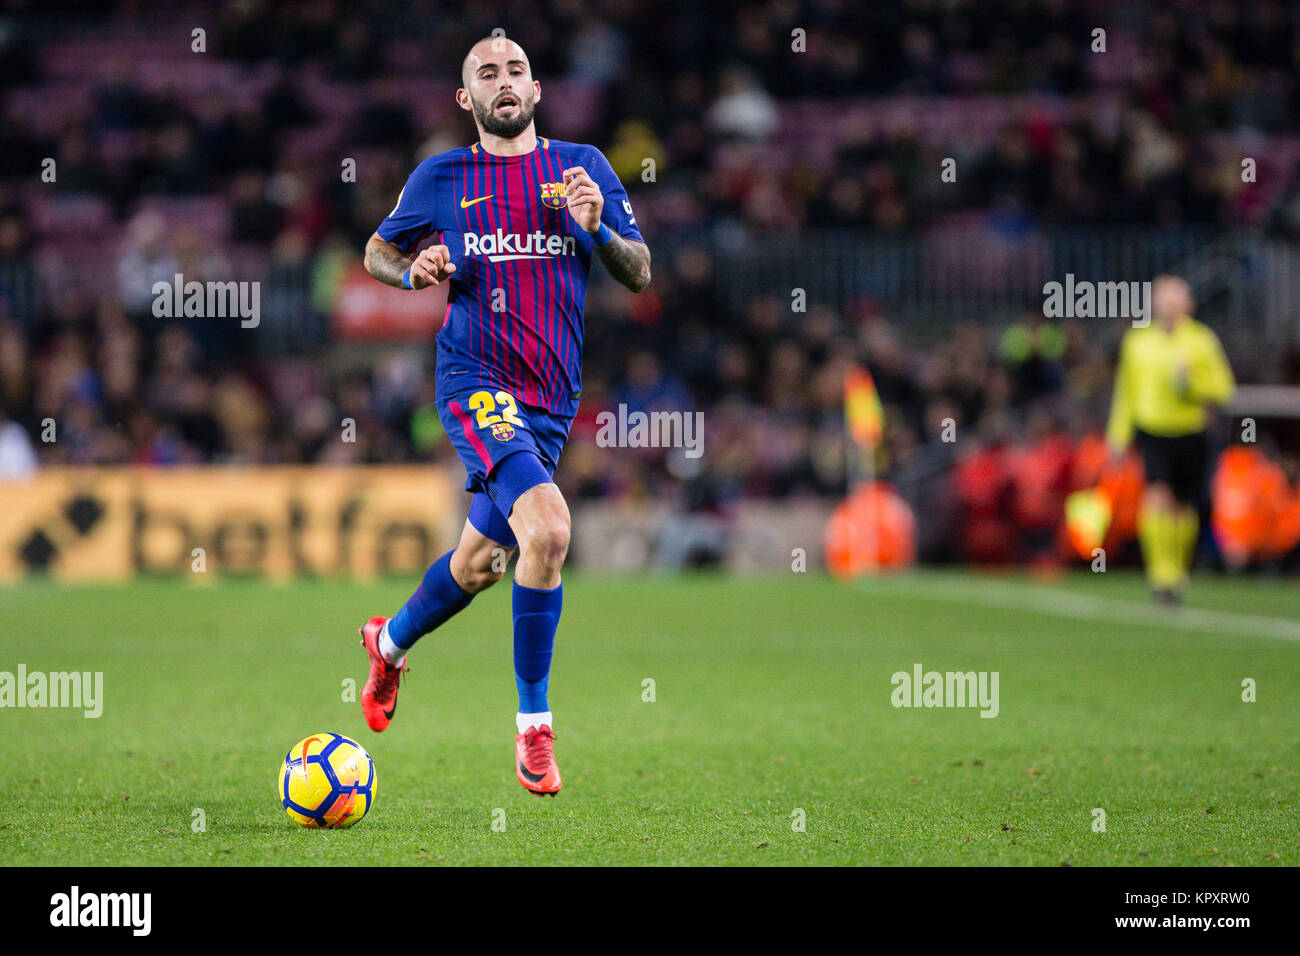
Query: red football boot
[(535, 761), (379, 696)]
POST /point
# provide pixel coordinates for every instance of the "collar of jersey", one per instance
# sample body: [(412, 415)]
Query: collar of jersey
[(478, 149)]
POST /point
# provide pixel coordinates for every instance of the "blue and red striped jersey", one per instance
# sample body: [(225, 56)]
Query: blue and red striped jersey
[(514, 313)]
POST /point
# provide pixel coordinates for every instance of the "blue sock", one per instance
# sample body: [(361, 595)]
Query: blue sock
[(537, 615), (436, 599)]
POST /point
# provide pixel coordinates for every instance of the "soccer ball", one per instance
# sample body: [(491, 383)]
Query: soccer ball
[(326, 780)]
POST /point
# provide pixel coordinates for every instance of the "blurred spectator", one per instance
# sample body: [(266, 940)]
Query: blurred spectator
[(20, 292), (743, 108), (17, 457)]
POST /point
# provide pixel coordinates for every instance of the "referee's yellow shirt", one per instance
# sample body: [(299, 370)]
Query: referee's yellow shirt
[(1149, 392)]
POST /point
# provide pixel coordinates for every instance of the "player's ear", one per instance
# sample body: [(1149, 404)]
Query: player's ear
[(462, 100), (537, 91)]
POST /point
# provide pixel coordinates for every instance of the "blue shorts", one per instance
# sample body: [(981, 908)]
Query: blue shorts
[(489, 430)]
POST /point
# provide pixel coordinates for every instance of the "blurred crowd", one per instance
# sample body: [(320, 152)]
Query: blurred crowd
[(226, 164)]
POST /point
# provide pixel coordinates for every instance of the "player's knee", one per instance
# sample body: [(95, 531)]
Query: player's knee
[(541, 519), (1158, 496), (479, 579), (483, 568), (549, 543)]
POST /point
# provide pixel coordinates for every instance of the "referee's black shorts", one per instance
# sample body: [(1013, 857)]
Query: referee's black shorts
[(1177, 461)]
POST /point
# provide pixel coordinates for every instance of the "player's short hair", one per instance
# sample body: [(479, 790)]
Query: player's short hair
[(464, 64)]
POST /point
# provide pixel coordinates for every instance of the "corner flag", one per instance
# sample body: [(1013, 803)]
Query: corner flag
[(863, 415)]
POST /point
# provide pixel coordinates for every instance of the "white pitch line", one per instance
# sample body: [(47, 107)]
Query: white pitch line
[(1006, 595)]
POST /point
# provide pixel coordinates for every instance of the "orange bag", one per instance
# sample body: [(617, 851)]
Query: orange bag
[(872, 528), (1254, 515)]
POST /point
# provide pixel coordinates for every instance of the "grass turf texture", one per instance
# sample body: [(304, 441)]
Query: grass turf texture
[(772, 695)]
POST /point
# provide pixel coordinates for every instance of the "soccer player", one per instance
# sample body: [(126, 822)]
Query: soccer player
[(1171, 373), (518, 218)]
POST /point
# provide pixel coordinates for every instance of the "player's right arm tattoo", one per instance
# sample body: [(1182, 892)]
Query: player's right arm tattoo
[(385, 261), (628, 262)]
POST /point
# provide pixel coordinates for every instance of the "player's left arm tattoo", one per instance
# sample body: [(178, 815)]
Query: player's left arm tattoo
[(628, 261)]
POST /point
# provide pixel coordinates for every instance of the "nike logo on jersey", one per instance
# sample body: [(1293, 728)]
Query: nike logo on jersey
[(465, 204)]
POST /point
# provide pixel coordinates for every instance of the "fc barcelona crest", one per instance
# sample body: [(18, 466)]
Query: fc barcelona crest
[(553, 195), (503, 431)]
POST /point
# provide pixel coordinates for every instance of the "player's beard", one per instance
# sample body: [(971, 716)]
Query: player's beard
[(507, 127)]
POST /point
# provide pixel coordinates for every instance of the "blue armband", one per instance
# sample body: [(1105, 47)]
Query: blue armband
[(602, 236), (406, 280)]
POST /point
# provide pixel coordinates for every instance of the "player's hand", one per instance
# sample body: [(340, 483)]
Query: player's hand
[(431, 266), (583, 197)]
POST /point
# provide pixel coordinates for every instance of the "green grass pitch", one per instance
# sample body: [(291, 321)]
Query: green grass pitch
[(772, 705)]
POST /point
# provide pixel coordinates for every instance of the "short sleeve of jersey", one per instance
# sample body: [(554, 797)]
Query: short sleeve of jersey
[(617, 213), (414, 215)]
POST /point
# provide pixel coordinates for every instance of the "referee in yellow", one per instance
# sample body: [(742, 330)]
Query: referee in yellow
[(1171, 373)]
